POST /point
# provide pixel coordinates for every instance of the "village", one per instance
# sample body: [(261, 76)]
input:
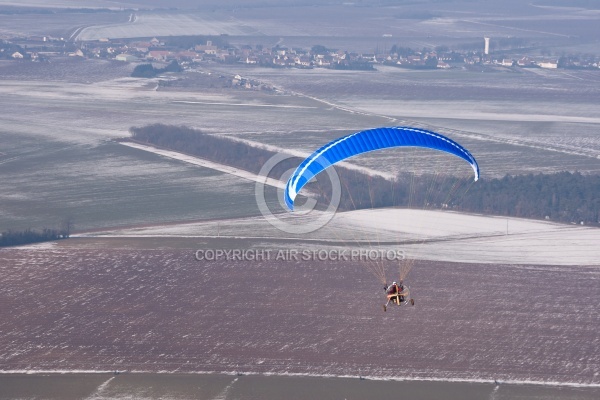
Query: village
[(198, 49)]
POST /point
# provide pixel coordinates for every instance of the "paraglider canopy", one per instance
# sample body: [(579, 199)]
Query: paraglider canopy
[(366, 141)]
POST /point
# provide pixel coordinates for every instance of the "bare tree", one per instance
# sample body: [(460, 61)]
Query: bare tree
[(66, 226)]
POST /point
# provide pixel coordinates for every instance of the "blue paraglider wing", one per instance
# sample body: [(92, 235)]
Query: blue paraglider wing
[(370, 140)]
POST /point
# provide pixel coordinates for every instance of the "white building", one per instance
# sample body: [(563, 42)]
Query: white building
[(548, 64), (126, 58)]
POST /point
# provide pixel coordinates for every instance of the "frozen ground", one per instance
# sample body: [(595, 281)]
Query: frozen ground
[(58, 120), (427, 235), (111, 185), (358, 27), (74, 309), (57, 158), (55, 24), (535, 122), (524, 309), (58, 94), (207, 164), (100, 386), (455, 21)]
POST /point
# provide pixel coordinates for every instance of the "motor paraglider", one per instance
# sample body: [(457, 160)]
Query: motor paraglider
[(398, 294), (367, 141)]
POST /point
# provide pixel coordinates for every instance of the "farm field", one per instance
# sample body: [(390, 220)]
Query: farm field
[(52, 167), (311, 107), (112, 185), (359, 27), (419, 234), (497, 299), (55, 24), (450, 24), (533, 122), (154, 310)]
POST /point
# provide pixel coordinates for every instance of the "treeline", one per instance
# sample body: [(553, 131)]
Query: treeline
[(565, 196), (16, 238), (149, 71), (8, 49), (198, 143), (20, 237)]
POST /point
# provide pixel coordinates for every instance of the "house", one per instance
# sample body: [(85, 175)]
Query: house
[(224, 56), (208, 48), (324, 61), (159, 55), (369, 57), (283, 62), (142, 47), (126, 58), (446, 57), (526, 62), (548, 64), (188, 55), (443, 65), (303, 61), (246, 50)]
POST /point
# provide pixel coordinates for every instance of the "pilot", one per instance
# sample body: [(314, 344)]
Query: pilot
[(391, 292)]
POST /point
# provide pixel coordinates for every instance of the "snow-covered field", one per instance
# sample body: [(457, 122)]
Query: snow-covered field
[(57, 158), (497, 298), (349, 26), (69, 309), (207, 164), (112, 185), (535, 122), (170, 24), (80, 105), (330, 21), (421, 234)]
